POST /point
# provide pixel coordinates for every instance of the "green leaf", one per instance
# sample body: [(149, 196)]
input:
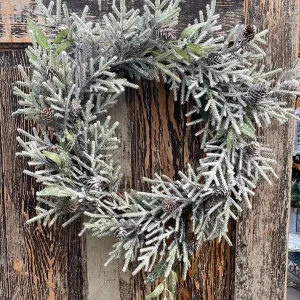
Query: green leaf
[(53, 157), (183, 54), (61, 36), (229, 139), (220, 132), (70, 139), (38, 34), (171, 296), (196, 49), (159, 289), (64, 45), (158, 271), (187, 32), (247, 130), (156, 52), (168, 72), (164, 56), (172, 282), (54, 191), (249, 122)]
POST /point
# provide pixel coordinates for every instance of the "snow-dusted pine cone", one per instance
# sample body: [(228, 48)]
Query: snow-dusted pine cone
[(166, 32), (75, 108), (256, 93), (69, 206), (252, 149), (47, 114), (169, 205), (94, 183), (52, 71), (214, 58), (120, 234), (221, 192), (291, 85), (249, 32)]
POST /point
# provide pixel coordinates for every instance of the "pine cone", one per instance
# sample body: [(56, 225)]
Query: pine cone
[(166, 32), (69, 206), (52, 71), (120, 234), (221, 192), (249, 33), (252, 149), (75, 108), (214, 58), (256, 93), (47, 114), (169, 205), (94, 183), (291, 85)]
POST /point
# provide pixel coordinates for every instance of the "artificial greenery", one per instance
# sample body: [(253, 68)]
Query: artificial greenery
[(78, 70)]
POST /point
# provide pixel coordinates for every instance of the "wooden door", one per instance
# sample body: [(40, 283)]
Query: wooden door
[(43, 263)]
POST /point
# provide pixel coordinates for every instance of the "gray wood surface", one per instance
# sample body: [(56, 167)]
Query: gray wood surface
[(262, 233), (153, 139), (13, 27), (36, 263)]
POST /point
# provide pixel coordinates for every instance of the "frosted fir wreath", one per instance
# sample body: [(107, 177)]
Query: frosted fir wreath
[(77, 72)]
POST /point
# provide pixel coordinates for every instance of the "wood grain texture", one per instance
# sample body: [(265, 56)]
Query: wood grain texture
[(35, 262), (13, 27), (262, 233), (153, 139), (159, 142), (110, 282)]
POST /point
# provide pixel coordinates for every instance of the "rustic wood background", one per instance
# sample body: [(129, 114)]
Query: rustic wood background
[(262, 233), (39, 263), (35, 263)]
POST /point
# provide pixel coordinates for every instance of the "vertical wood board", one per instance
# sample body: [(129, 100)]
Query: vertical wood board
[(262, 233), (35, 262), (153, 139), (158, 141)]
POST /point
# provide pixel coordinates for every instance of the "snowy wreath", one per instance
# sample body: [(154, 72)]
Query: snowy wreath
[(78, 70)]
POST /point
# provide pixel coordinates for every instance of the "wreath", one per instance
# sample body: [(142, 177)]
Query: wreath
[(79, 69)]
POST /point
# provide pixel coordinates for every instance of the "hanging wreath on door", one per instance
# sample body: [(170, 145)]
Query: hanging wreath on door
[(78, 70)]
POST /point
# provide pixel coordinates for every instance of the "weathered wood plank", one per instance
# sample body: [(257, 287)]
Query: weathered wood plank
[(160, 142), (13, 27), (110, 282), (262, 233), (153, 139), (35, 262)]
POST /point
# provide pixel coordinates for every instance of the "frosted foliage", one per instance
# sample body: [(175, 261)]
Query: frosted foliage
[(77, 72)]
